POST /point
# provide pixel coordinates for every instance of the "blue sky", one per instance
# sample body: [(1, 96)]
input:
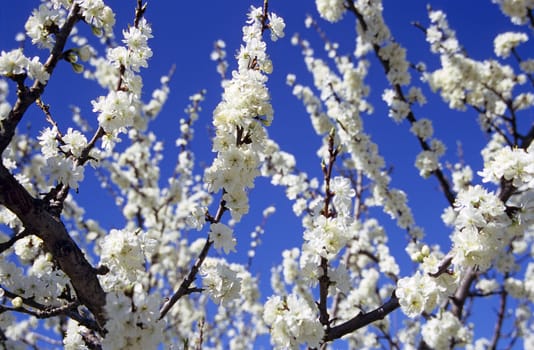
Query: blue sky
[(184, 33)]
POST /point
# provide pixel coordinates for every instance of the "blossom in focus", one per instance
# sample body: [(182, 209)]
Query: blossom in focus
[(222, 237), (293, 321), (220, 281)]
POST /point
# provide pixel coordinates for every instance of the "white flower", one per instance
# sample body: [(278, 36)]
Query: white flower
[(13, 62), (116, 110), (417, 293), (480, 228), (343, 194), (515, 288), (445, 331), (221, 282), (37, 26), (64, 170), (134, 324), (398, 109), (28, 248), (222, 237), (73, 339), (293, 322), (340, 279), (327, 237), (74, 141), (48, 142), (487, 286), (524, 202), (17, 302), (290, 268), (98, 15), (121, 252), (331, 10), (462, 176), (136, 38), (504, 43), (514, 165), (517, 10), (36, 71), (197, 218), (422, 128), (277, 25), (426, 162)]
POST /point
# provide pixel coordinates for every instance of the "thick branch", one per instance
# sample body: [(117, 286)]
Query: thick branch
[(363, 319), (458, 300), (37, 219)]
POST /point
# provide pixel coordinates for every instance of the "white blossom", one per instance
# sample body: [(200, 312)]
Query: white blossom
[(220, 281), (13, 62), (122, 252), (222, 237), (331, 10), (506, 42), (293, 321), (444, 331), (343, 194)]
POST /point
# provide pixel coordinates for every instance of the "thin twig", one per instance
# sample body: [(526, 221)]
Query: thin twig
[(6, 245), (185, 288)]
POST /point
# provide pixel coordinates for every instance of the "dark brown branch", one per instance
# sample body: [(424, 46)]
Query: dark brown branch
[(362, 319), (500, 319), (459, 298), (45, 311), (6, 245), (443, 266), (324, 280), (37, 219), (139, 12)]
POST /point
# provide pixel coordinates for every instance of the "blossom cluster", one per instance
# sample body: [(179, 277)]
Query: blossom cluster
[(506, 42), (120, 108), (445, 330), (422, 292), (134, 324), (240, 116), (331, 10), (293, 322), (14, 63), (485, 85), (343, 273), (515, 165), (517, 10), (62, 157)]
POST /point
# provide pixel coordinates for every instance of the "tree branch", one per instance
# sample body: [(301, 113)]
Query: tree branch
[(500, 320), (443, 182), (458, 300), (185, 288), (37, 219), (362, 319), (8, 244)]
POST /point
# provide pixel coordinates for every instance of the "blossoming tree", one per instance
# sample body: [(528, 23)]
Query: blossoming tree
[(65, 280)]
